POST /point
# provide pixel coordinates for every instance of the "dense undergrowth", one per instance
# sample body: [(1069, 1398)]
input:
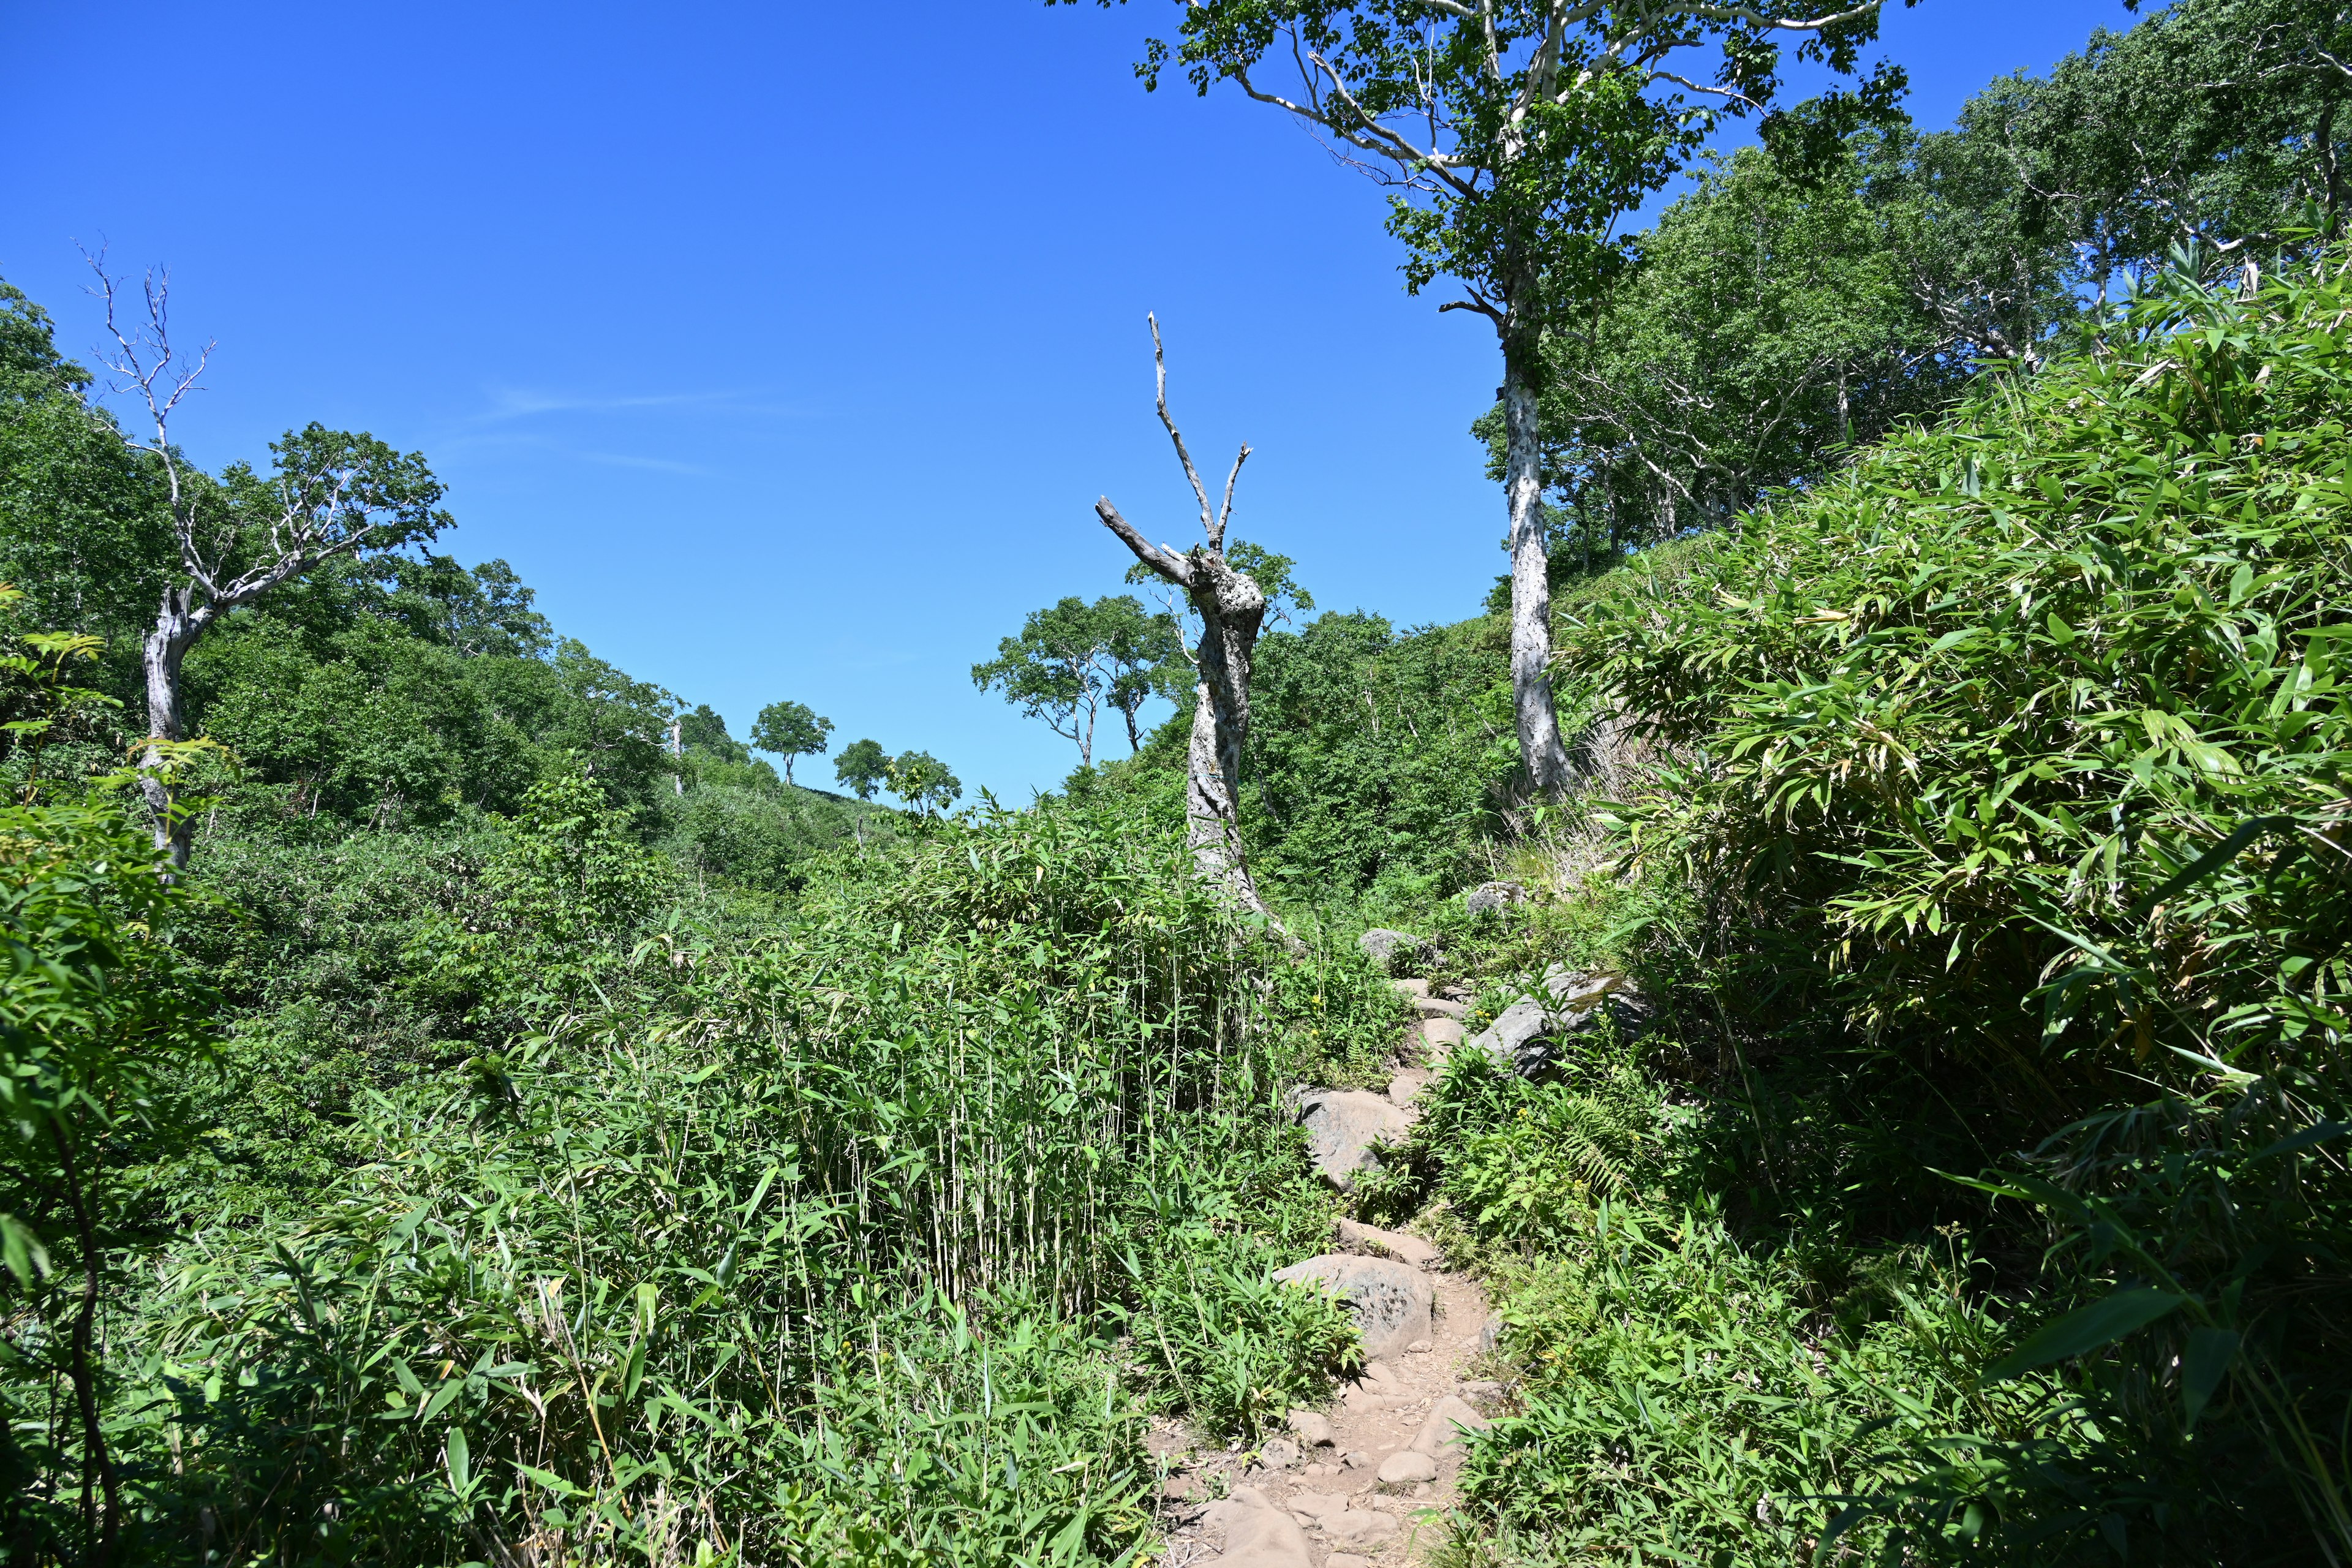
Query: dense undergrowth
[(1973, 1188), (871, 1236)]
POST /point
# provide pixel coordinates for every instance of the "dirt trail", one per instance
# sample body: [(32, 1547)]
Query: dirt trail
[(1367, 1482)]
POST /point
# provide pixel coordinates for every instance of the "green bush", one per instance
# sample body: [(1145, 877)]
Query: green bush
[(2001, 807)]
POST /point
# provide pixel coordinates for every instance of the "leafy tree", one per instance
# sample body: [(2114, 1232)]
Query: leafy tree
[(923, 782), (704, 730), (330, 493), (1073, 658), (1516, 133), (863, 766), (96, 1015), (790, 729), (1769, 322)]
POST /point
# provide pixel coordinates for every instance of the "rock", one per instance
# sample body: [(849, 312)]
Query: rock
[(1437, 1038), (1444, 1429), (1278, 1454), (1403, 1469), (1419, 1347), (1481, 1390), (1312, 1430), (1355, 1528), (1313, 1505), (1439, 1007), (1257, 1533), (1410, 990), (1406, 1086), (1358, 1461), (1490, 1332), (1381, 1243), (1389, 1301), (1342, 1125), (1489, 897), (1527, 1035), (1390, 951)]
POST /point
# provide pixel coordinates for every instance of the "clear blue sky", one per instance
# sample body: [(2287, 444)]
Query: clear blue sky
[(785, 352)]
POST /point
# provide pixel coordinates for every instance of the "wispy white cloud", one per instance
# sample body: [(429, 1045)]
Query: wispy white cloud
[(522, 441), (522, 403)]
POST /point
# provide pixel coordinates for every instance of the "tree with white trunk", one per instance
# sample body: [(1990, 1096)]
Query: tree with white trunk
[(1515, 134), (330, 493), (1231, 609)]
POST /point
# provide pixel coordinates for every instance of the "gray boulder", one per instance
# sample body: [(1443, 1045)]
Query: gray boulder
[(1392, 950), (1343, 1124), (1389, 1301), (1528, 1036), (1489, 897), (1443, 1432)]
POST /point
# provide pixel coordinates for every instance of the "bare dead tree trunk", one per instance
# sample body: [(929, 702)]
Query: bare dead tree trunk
[(1231, 609), (1531, 694), (178, 623)]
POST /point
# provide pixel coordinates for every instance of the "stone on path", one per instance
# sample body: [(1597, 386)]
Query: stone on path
[(1488, 896), (1406, 1086), (1439, 1007), (1342, 1125), (1257, 1533), (1389, 1301), (1438, 1036), (1406, 1468), (1356, 1237), (1310, 1428), (1355, 1528), (1392, 950), (1410, 990), (1443, 1431)]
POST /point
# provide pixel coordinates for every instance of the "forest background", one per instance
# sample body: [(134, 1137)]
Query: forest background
[(530, 1130)]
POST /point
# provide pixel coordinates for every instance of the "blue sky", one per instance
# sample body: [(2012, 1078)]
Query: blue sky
[(785, 352)]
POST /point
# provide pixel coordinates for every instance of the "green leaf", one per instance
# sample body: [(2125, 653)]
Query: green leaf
[(634, 1371), (2319, 1132), (2210, 1353), (21, 1250), (461, 1463), (2088, 1329), (2060, 632)]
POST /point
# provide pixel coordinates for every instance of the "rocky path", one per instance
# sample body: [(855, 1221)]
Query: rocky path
[(1368, 1481)]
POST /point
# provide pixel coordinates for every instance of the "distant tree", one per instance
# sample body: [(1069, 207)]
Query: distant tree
[(864, 767), (1515, 134), (923, 782), (1073, 657), (1231, 609), (704, 730), (331, 493), (790, 729)]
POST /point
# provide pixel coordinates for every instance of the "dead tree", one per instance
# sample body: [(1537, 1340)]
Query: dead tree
[(1231, 609), (332, 493)]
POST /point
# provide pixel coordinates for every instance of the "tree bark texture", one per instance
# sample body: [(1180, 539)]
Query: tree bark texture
[(178, 623), (1537, 716), (1231, 609)]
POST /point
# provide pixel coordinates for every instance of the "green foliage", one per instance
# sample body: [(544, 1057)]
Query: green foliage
[(923, 782), (864, 766), (1370, 756), (97, 1016), (1072, 660), (790, 729), (2005, 769)]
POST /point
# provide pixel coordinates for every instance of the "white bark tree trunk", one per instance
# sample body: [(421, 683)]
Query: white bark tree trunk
[(1538, 718), (178, 624)]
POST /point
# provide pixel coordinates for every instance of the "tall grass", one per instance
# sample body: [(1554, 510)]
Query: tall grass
[(874, 1238)]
